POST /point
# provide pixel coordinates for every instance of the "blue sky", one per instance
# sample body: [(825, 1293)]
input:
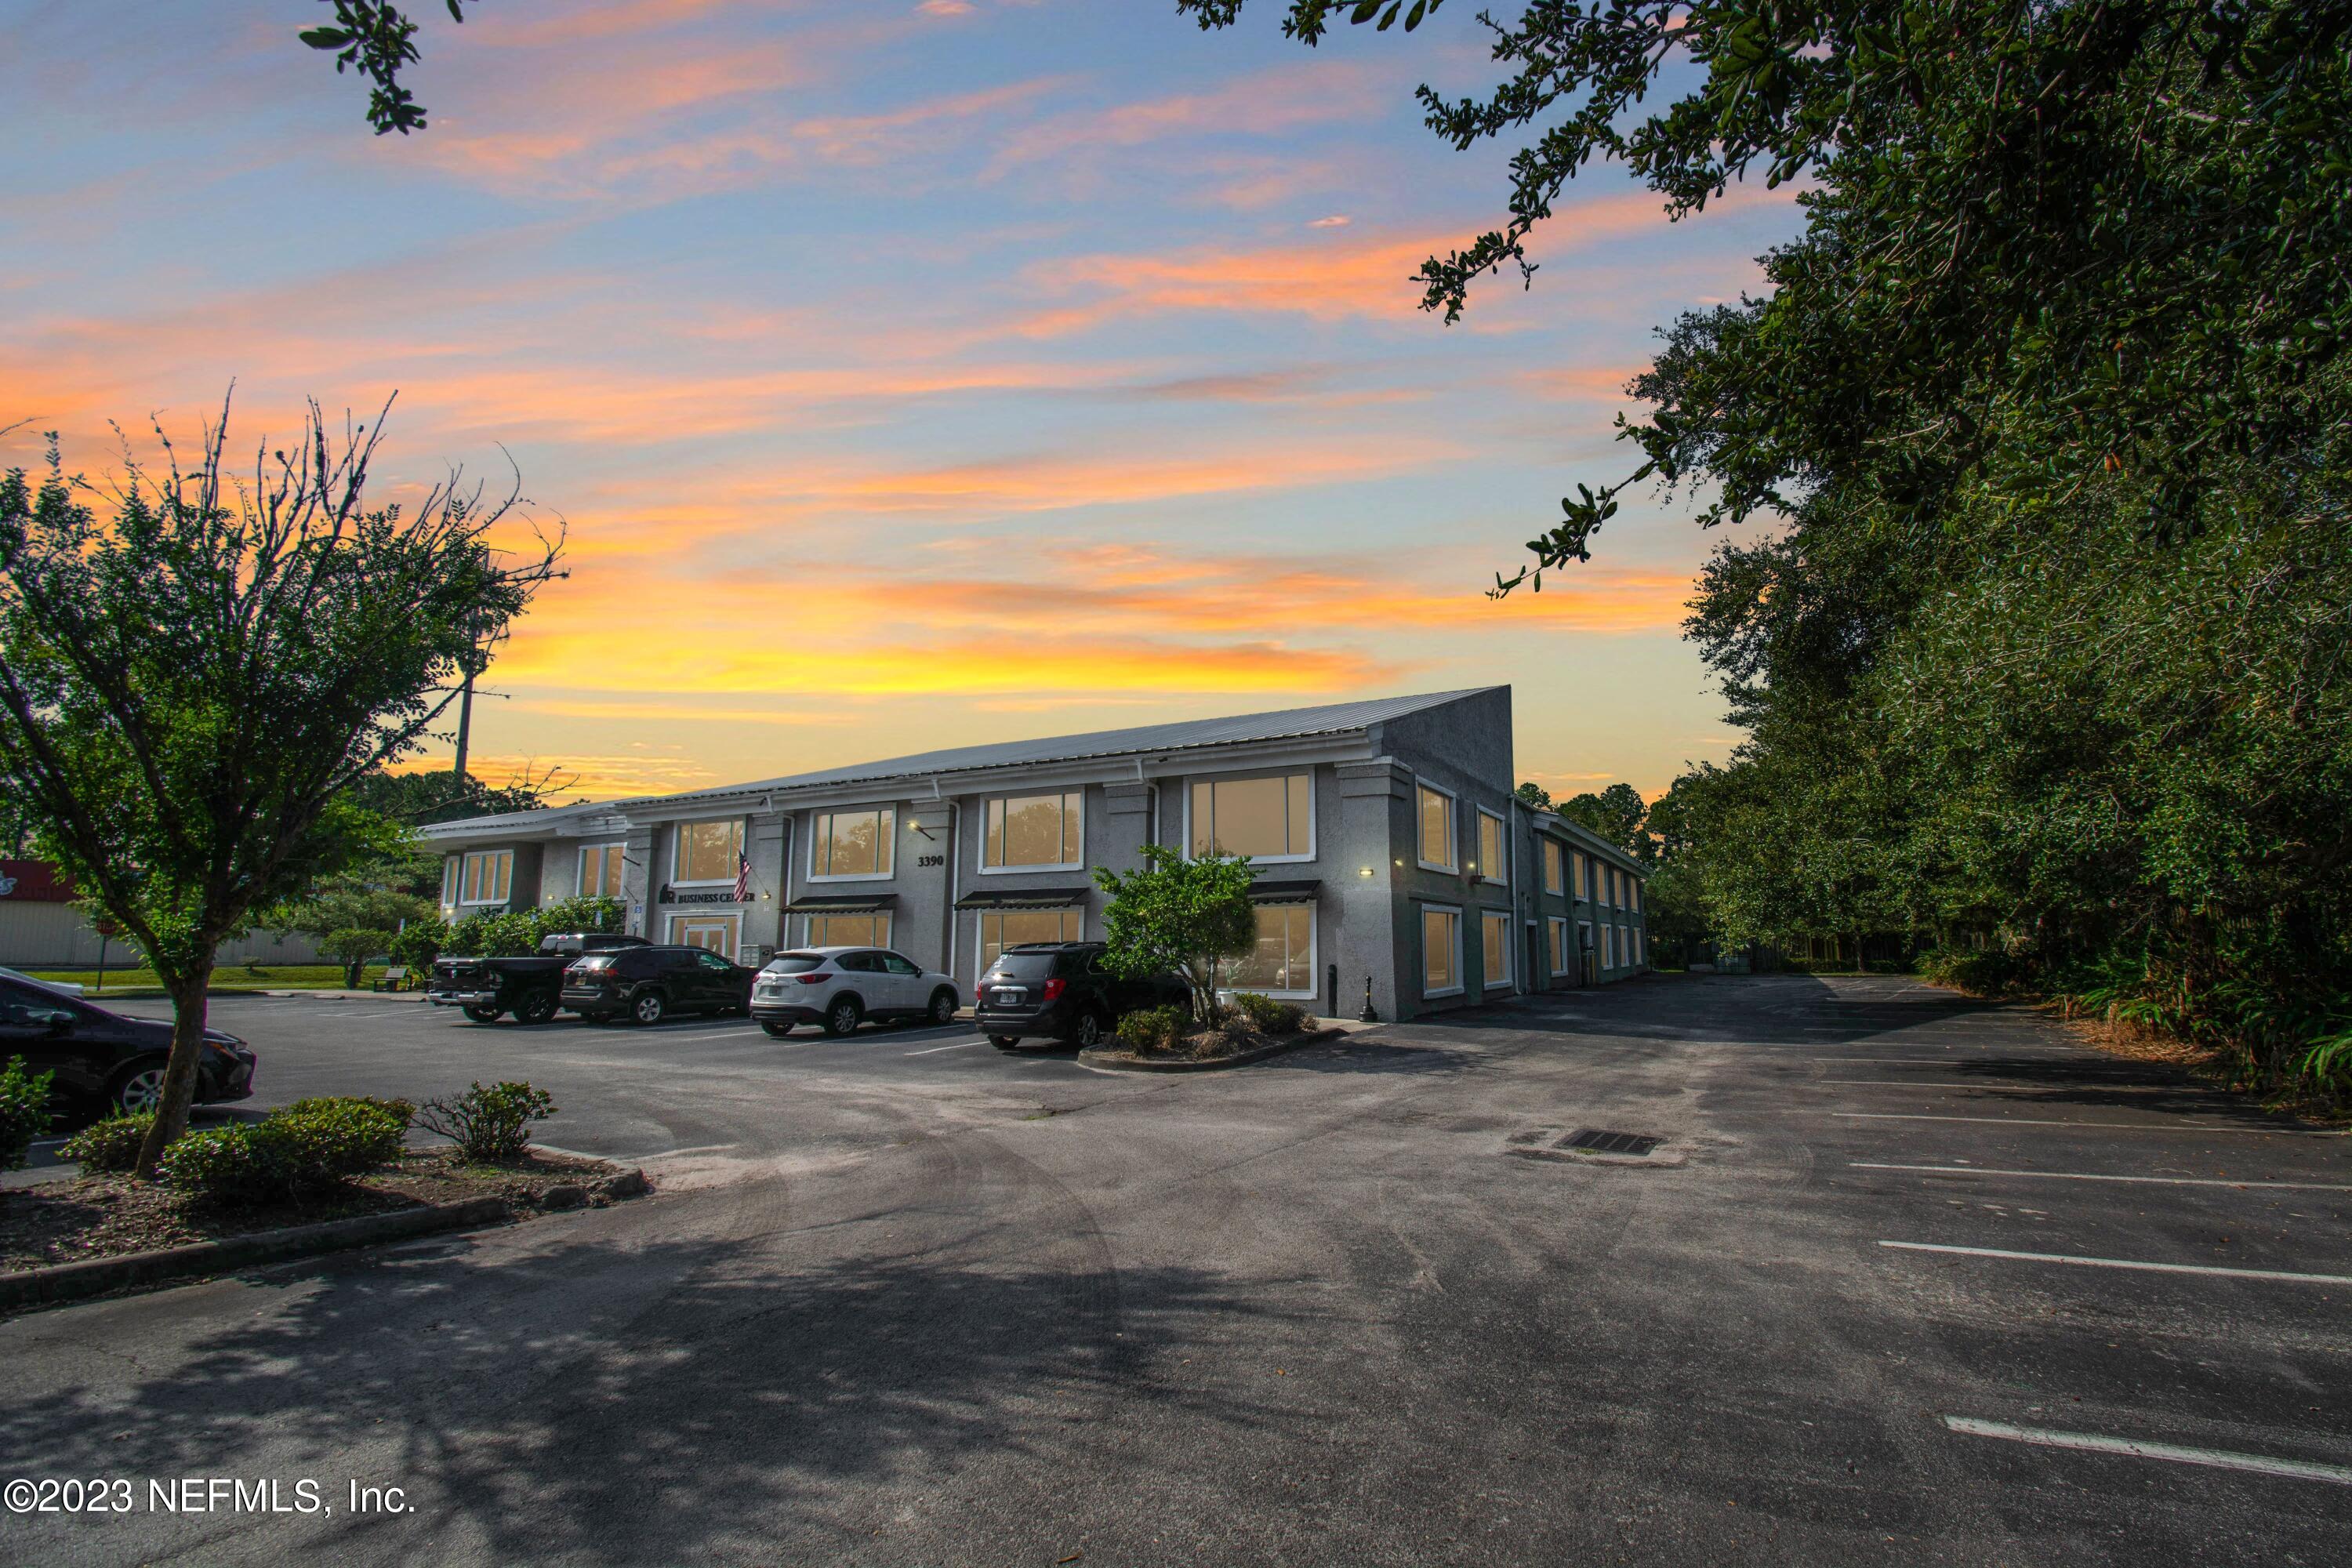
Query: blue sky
[(903, 374)]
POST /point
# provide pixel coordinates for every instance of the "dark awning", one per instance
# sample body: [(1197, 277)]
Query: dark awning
[(1296, 892), (1025, 898), (842, 903)]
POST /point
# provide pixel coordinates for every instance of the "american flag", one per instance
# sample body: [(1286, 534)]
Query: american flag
[(742, 877)]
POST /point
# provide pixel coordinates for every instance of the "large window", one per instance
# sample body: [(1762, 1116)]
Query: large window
[(853, 843), (1581, 883), (1554, 872), (849, 931), (1609, 886), (487, 877), (600, 871), (1560, 956), (1032, 831), (1441, 952), (1495, 935), (1265, 819), (1437, 829), (1490, 866), (706, 851), (1283, 963), (1633, 894), (449, 878), (1634, 944), (1608, 947), (1013, 927)]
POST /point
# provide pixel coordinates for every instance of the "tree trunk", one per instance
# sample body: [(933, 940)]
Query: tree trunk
[(352, 973), (180, 1073)]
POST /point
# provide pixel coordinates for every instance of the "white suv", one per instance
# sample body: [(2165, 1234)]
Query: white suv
[(841, 987)]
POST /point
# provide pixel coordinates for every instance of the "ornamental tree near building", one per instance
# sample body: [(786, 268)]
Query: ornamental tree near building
[(1182, 915)]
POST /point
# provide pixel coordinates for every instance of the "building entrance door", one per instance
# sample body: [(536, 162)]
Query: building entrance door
[(717, 933)]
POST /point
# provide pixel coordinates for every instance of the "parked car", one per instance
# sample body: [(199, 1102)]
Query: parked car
[(841, 987), (530, 988), (649, 984), (104, 1060), (1062, 991), (71, 988)]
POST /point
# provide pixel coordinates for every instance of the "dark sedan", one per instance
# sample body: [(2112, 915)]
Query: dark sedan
[(103, 1059), (649, 983)]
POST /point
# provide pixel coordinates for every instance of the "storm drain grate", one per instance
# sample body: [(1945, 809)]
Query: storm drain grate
[(1600, 1142)]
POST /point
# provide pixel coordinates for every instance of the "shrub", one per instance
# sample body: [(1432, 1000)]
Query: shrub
[(1989, 972), (419, 942), (1150, 1029), (492, 1123), (24, 1111), (1268, 1015), (311, 1145), (108, 1145), (218, 1166)]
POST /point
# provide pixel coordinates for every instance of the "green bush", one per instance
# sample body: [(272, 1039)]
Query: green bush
[(108, 1145), (419, 942), (308, 1147), (24, 1111), (1150, 1029), (1986, 972), (1268, 1015), (492, 1123), (222, 1165)]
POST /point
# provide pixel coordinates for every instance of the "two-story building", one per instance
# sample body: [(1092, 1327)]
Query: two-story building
[(1388, 845)]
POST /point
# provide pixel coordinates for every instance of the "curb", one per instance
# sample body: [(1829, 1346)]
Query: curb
[(1216, 1064), (91, 1276)]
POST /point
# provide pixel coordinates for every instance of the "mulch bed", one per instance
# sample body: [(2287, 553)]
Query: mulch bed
[(1202, 1046), (103, 1216)]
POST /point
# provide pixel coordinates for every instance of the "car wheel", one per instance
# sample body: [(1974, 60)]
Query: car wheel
[(1086, 1032), (843, 1016), (536, 1010), (483, 1014), (138, 1089), (1005, 1042), (777, 1031), (943, 1005), (649, 1007)]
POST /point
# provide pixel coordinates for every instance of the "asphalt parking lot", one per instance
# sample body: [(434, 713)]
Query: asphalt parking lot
[(1907, 1278)]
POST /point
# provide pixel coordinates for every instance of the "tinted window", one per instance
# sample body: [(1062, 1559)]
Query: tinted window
[(795, 962), (712, 961), (1023, 966), (23, 1006), (862, 963), (893, 963)]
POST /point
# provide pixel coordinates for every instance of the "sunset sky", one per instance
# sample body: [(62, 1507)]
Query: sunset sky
[(905, 374)]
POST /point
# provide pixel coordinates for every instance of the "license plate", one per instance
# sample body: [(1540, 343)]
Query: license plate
[(1008, 995)]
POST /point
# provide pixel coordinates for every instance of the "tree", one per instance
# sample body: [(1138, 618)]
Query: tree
[(378, 38), (1534, 794), (1181, 915), (1615, 813), (421, 799), (191, 683)]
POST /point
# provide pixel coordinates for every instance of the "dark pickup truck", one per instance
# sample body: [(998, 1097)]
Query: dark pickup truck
[(530, 988)]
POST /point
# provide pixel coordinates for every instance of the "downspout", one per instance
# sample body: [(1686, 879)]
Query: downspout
[(785, 913), (955, 870), (1516, 926)]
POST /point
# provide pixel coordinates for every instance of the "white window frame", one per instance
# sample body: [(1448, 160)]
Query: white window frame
[(1561, 950), (452, 866), (580, 868), (985, 869), (506, 889), (980, 928), (808, 929), (1509, 942), (1212, 780), (1502, 846), (1555, 868), (677, 851), (1313, 953), (1420, 950), (1452, 865), (890, 810)]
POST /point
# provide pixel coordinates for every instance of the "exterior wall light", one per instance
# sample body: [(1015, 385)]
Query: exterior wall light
[(1365, 871)]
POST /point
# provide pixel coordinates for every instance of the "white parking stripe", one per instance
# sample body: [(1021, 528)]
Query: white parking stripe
[(2124, 1263), (2086, 1176), (2091, 1442), (958, 1045), (674, 1153), (1926, 1083), (2110, 1126)]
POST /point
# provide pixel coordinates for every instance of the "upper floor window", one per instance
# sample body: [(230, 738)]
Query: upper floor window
[(600, 871), (853, 843), (1033, 830), (1554, 870), (1265, 819), (1633, 894), (708, 851), (1490, 867), (1437, 829), (487, 877), (1580, 882)]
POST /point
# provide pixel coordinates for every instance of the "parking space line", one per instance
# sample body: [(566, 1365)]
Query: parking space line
[(2091, 1442), (1924, 1083), (954, 1046), (2133, 1265), (2109, 1126), (2087, 1176)]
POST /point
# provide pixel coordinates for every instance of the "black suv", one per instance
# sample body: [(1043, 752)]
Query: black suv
[(1062, 991), (649, 983)]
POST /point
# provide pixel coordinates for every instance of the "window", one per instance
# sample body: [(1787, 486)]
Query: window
[(1283, 963), (487, 878), (449, 878), (1033, 830), (1633, 935), (1441, 952), (1490, 866), (1013, 927), (1495, 935), (853, 843), (1437, 829), (1265, 819), (848, 930), (1581, 883), (600, 871), (1555, 873), (715, 935), (1559, 953), (1633, 894), (708, 851), (1608, 948), (1609, 886)]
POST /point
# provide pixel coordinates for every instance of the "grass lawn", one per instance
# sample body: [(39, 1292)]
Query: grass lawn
[(227, 977)]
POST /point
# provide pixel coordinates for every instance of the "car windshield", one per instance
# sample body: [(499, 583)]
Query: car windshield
[(1023, 966), (795, 962)]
